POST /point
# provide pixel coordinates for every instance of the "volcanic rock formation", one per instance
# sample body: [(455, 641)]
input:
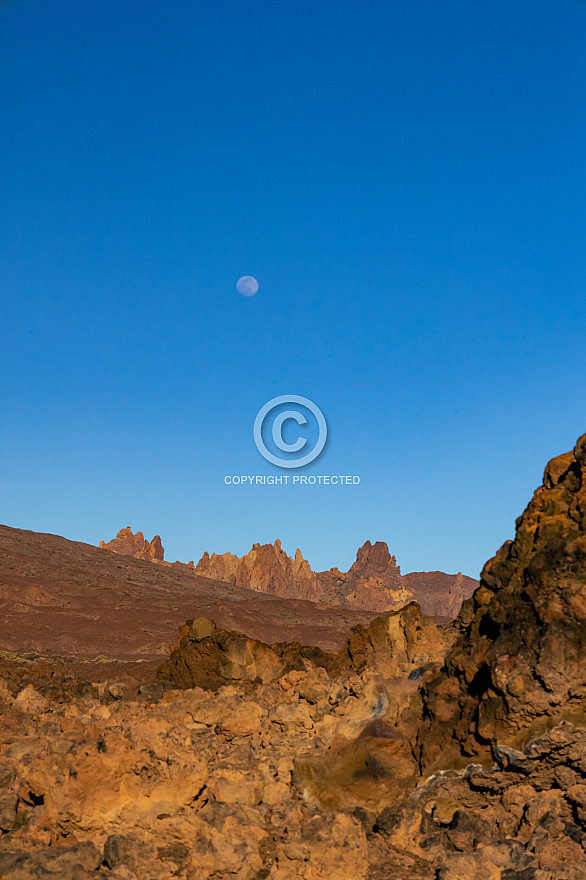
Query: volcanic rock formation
[(393, 645), (266, 569), (520, 662), (128, 544), (73, 599), (374, 582)]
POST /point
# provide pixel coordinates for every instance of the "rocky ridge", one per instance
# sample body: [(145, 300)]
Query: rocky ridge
[(265, 568), (374, 581), (67, 598)]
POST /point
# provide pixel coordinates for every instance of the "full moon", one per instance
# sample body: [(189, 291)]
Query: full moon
[(247, 285)]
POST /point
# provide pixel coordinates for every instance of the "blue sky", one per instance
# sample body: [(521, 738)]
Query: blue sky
[(406, 180)]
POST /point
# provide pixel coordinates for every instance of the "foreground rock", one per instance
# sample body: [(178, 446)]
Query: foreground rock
[(520, 662), (523, 818), (394, 646), (307, 776)]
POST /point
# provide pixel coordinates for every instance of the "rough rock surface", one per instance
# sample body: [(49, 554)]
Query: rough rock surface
[(194, 785), (306, 776), (522, 818), (128, 778), (394, 646), (520, 662), (374, 582)]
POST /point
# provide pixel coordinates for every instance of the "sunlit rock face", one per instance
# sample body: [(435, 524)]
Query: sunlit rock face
[(127, 544), (374, 581), (265, 568), (520, 661)]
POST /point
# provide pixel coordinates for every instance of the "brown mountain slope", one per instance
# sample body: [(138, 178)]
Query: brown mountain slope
[(65, 597)]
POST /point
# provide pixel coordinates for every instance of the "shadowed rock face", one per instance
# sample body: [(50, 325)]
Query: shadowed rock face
[(520, 663)]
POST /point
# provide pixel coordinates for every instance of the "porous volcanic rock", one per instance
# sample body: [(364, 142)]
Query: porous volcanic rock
[(523, 818), (197, 785), (398, 645), (520, 662), (206, 656)]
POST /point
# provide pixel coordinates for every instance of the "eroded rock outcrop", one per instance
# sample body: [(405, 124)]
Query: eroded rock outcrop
[(398, 645), (206, 656), (520, 662), (374, 581), (266, 569), (127, 544)]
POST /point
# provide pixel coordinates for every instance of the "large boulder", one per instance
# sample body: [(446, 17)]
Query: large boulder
[(519, 665)]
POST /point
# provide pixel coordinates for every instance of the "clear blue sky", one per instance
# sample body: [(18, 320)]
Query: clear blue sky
[(406, 180)]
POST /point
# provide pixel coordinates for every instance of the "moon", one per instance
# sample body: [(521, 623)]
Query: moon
[(247, 285)]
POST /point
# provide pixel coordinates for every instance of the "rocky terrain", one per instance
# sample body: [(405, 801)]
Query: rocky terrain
[(125, 778), (410, 751), (374, 582), (519, 664)]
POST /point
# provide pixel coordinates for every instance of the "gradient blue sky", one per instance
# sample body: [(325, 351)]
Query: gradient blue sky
[(406, 180)]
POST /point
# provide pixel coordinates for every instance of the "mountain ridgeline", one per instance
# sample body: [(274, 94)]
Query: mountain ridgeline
[(373, 583)]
